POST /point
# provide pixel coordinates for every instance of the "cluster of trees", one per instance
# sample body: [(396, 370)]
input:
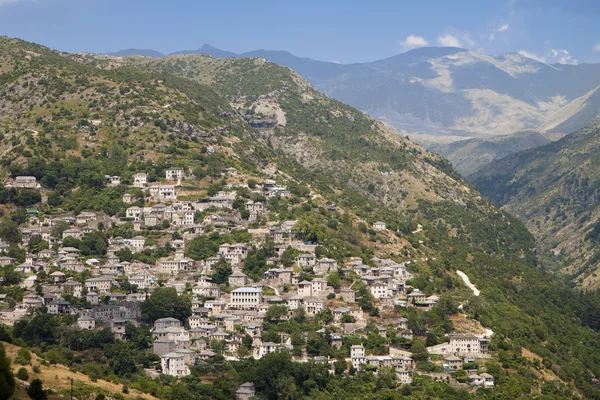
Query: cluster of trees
[(94, 243), (166, 302), (203, 247), (20, 197)]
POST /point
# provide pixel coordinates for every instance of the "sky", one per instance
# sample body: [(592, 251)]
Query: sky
[(343, 31)]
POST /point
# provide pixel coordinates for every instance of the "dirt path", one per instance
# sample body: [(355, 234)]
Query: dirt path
[(467, 282)]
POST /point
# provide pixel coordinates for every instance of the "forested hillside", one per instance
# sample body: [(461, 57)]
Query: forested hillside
[(554, 188), (71, 119)]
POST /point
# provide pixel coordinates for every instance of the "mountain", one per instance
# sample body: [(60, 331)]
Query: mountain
[(554, 188), (209, 50), (136, 52), (440, 96), (575, 115), (312, 70), (471, 154), (71, 119)]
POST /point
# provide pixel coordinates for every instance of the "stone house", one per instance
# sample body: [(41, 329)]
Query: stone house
[(27, 182), (306, 260), (101, 284), (86, 323), (238, 279), (348, 295), (379, 226), (174, 173)]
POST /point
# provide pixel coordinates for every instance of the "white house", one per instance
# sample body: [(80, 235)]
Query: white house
[(140, 179), (379, 226), (173, 364), (28, 182), (246, 298)]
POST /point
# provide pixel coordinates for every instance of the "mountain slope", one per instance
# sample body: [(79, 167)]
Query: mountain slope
[(322, 133), (443, 95), (469, 155), (554, 188), (575, 115), (85, 117)]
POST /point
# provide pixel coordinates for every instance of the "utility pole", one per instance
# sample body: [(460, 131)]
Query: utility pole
[(71, 379)]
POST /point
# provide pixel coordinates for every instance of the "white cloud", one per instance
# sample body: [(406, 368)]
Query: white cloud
[(5, 2), (413, 41), (532, 56), (449, 41), (562, 56), (500, 29), (597, 47)]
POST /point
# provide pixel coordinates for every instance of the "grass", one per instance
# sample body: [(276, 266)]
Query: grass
[(56, 377)]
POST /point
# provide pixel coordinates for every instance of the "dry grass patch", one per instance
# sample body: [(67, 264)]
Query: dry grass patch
[(56, 376)]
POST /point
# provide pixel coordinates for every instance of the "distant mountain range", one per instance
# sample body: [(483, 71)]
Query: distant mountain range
[(444, 95)]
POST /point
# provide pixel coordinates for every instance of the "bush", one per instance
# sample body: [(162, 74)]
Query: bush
[(23, 357), (125, 389), (36, 390), (36, 369), (22, 374)]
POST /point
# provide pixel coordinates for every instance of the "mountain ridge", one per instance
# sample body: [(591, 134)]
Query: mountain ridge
[(440, 95), (554, 190)]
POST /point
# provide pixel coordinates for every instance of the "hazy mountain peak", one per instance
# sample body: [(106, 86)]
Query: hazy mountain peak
[(136, 52)]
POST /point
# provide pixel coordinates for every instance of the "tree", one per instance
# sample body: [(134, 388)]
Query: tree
[(9, 231), (221, 271), (201, 248), (419, 351), (36, 390), (22, 374), (42, 328), (7, 379), (94, 244), (58, 228), (123, 362), (165, 302), (124, 254), (288, 257), (275, 312), (334, 280), (36, 244)]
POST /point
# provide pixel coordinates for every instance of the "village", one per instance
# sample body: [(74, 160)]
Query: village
[(229, 315)]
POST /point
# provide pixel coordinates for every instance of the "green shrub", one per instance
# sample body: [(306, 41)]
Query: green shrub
[(22, 374)]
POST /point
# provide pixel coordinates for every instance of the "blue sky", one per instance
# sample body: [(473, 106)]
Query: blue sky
[(332, 30)]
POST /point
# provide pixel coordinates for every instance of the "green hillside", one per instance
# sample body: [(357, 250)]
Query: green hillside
[(554, 189), (71, 119)]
